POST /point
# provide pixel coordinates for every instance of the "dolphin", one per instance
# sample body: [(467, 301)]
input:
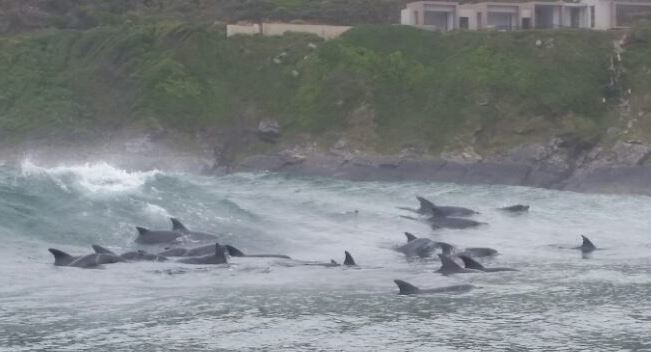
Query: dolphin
[(193, 235), (477, 252), (152, 237), (438, 222), (449, 267), (234, 252), (587, 246), (473, 264), (427, 208), (417, 247), (348, 262), (409, 289), (130, 256), (518, 208), (95, 260), (188, 252), (410, 236), (218, 257)]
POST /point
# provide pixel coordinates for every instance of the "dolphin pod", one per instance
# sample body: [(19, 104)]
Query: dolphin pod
[(424, 247), (453, 260), (130, 256)]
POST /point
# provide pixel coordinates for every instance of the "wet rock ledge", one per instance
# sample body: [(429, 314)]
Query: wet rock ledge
[(622, 168)]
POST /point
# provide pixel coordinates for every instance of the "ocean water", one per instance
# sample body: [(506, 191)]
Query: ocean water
[(557, 301)]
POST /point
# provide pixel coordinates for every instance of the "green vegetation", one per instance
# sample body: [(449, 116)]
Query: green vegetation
[(25, 15), (381, 87), (636, 66)]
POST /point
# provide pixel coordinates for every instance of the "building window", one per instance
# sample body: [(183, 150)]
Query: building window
[(526, 23), (592, 17), (463, 23), (479, 21), (416, 18)]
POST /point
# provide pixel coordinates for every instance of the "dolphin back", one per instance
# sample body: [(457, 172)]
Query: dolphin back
[(471, 263), (406, 288), (178, 226), (349, 261), (61, 258), (102, 250)]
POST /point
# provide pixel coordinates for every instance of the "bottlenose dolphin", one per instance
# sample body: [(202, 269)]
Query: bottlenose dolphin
[(409, 289), (477, 252), (234, 252), (147, 236), (427, 208), (188, 252), (473, 264), (417, 247), (348, 261), (449, 267), (131, 256), (218, 257), (438, 222), (192, 235), (62, 258), (518, 208), (587, 246), (410, 237)]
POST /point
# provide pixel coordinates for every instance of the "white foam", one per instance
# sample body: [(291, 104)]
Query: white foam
[(95, 178), (156, 212)]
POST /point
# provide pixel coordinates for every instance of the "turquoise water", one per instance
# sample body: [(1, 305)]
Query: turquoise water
[(557, 301)]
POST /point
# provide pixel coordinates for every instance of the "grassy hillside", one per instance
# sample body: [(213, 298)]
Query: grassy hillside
[(380, 87)]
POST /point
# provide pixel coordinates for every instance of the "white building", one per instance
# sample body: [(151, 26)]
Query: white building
[(590, 14)]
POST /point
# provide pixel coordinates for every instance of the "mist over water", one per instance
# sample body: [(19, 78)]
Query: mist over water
[(557, 301)]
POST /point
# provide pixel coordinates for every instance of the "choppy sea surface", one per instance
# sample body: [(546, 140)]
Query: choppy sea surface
[(557, 301)]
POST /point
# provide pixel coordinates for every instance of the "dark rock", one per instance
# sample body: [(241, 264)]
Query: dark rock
[(506, 174), (636, 179), (269, 130)]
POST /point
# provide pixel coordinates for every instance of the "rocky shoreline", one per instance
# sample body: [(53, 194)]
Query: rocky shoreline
[(559, 165)]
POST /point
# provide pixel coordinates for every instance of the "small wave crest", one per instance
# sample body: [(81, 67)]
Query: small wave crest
[(94, 178)]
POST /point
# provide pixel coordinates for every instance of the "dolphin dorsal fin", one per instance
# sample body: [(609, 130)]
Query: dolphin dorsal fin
[(448, 264), (446, 248), (349, 261), (178, 226), (61, 257), (410, 237), (471, 263), (406, 288), (142, 230), (101, 250), (234, 252), (587, 244), (220, 252), (425, 205)]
